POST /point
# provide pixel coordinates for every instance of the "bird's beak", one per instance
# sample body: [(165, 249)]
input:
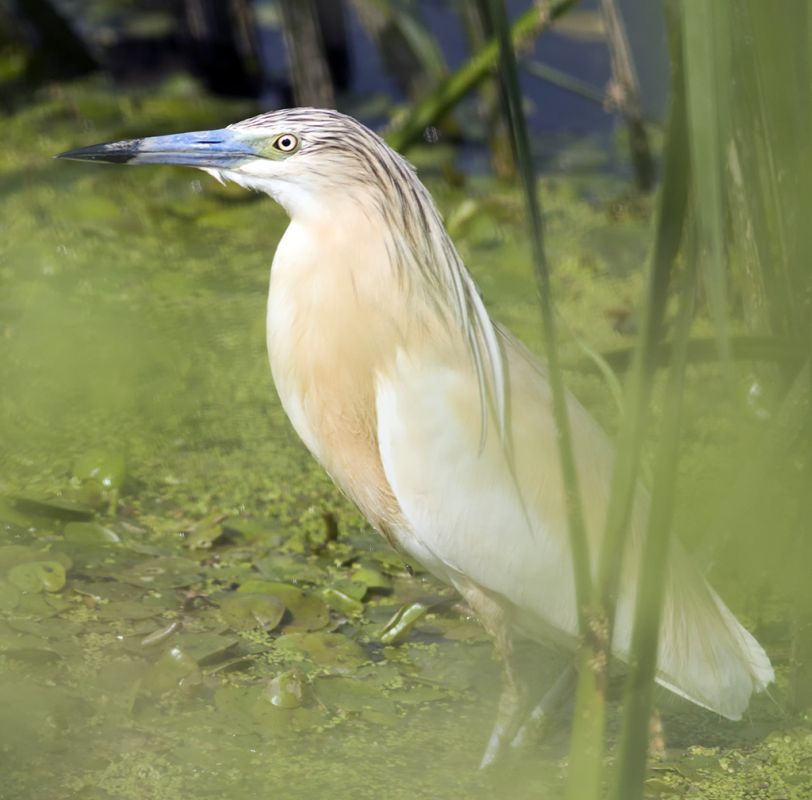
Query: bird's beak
[(221, 149)]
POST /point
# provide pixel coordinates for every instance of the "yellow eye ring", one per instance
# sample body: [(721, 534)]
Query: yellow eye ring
[(286, 143)]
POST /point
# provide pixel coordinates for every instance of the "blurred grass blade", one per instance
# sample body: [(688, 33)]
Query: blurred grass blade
[(518, 124), (706, 60), (671, 213), (770, 172), (586, 747), (651, 583)]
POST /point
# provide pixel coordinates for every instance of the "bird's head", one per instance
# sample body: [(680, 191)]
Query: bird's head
[(307, 159)]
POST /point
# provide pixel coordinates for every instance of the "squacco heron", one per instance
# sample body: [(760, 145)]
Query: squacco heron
[(433, 419)]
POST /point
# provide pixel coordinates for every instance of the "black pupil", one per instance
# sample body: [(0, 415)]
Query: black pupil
[(285, 142)]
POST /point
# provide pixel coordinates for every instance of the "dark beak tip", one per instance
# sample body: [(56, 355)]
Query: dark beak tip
[(115, 153), (68, 155)]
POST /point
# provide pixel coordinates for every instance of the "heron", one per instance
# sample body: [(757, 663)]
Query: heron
[(433, 419)]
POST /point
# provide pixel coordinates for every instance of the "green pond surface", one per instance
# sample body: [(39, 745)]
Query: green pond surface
[(188, 607)]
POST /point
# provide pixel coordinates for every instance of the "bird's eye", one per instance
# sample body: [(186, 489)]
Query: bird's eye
[(286, 143)]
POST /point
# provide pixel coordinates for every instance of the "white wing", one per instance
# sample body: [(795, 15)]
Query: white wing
[(469, 515), (466, 513)]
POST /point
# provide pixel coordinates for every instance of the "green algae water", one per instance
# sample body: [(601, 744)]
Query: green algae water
[(188, 607)]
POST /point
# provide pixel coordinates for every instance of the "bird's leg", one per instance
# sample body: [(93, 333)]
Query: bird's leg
[(656, 737), (558, 694), (512, 703), (495, 618)]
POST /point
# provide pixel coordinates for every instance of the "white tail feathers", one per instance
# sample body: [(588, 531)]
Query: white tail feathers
[(705, 654)]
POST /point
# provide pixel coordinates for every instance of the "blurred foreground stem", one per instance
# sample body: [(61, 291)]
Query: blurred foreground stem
[(518, 124), (671, 211), (651, 585), (586, 750)]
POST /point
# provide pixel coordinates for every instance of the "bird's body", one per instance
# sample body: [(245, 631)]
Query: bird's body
[(436, 423), (385, 395)]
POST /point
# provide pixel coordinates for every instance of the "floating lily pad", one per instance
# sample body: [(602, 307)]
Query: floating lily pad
[(341, 602), (235, 700), (247, 706), (89, 534), (117, 675), (440, 668), (63, 558), (13, 516), (169, 572), (13, 554), (275, 720), (40, 605), (207, 648), (333, 650), (93, 495), (308, 612), (175, 669), (417, 694), (264, 530), (237, 663), (351, 588), (394, 562), (286, 690), (161, 634), (380, 674), (463, 630), (35, 713), (33, 656), (46, 628), (245, 611), (352, 694), (371, 578), (108, 590), (126, 610), (205, 533), (286, 567), (54, 507), (107, 468), (401, 624), (13, 639), (657, 787), (97, 559), (9, 596), (377, 717), (37, 576)]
